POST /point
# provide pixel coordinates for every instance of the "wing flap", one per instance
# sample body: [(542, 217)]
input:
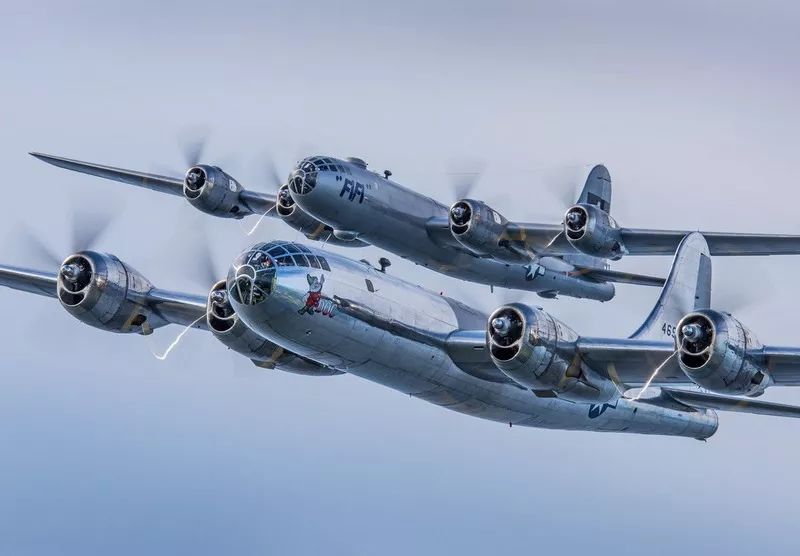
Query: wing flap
[(165, 184)]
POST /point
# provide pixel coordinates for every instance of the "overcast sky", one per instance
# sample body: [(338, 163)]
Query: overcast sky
[(105, 450)]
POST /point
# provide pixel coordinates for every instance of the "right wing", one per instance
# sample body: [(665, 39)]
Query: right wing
[(172, 307), (547, 239)]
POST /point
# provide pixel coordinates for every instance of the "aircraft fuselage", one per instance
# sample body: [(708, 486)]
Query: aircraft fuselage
[(368, 206), (356, 319)]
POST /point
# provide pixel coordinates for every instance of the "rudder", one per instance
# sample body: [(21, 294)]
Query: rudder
[(688, 288), (597, 189)]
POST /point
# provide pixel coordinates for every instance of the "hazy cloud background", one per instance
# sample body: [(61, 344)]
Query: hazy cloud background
[(104, 449)]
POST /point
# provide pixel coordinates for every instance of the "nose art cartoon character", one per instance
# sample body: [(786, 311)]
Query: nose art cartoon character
[(315, 303)]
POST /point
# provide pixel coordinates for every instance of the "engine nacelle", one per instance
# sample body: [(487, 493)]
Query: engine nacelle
[(306, 224), (102, 291), (592, 231), (212, 191), (229, 329), (718, 353), (536, 350), (481, 229)]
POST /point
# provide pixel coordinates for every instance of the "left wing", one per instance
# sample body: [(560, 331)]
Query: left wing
[(664, 242), (639, 241)]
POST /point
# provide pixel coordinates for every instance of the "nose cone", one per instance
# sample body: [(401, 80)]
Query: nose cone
[(251, 278), (303, 178)]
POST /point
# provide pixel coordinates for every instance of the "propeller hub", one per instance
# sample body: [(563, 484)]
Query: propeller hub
[(501, 325), (71, 272), (219, 297), (195, 178), (692, 332)]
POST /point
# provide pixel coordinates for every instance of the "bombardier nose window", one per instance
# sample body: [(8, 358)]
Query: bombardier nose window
[(252, 277), (303, 178)]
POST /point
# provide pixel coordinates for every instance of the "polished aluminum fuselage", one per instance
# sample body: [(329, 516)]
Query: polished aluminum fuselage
[(391, 332), (398, 220)]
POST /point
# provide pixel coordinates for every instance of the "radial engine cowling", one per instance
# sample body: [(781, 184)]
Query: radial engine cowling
[(212, 191), (592, 231), (719, 354), (229, 329), (102, 291), (481, 229), (537, 351)]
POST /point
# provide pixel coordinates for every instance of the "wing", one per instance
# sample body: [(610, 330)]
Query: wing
[(663, 242), (702, 400), (255, 202), (539, 238), (31, 281), (164, 184), (783, 364), (631, 362), (172, 307), (467, 349), (546, 239)]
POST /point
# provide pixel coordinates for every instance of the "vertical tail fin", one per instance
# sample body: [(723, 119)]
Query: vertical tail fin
[(597, 190), (688, 288)]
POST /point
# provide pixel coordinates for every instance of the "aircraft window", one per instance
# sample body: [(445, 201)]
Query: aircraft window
[(328, 161), (323, 168), (340, 168), (370, 286), (302, 248), (314, 261), (324, 264), (285, 260), (291, 248), (277, 251), (301, 260)]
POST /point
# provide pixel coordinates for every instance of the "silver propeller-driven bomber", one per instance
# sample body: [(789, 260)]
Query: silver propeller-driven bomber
[(302, 309), (343, 202)]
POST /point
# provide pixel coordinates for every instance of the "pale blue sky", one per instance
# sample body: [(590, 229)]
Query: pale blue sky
[(104, 449)]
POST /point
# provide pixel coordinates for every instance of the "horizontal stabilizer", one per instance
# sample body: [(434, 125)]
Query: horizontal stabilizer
[(605, 275)]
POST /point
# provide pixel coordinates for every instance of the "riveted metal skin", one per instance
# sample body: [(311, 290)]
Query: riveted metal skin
[(229, 329), (725, 358)]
